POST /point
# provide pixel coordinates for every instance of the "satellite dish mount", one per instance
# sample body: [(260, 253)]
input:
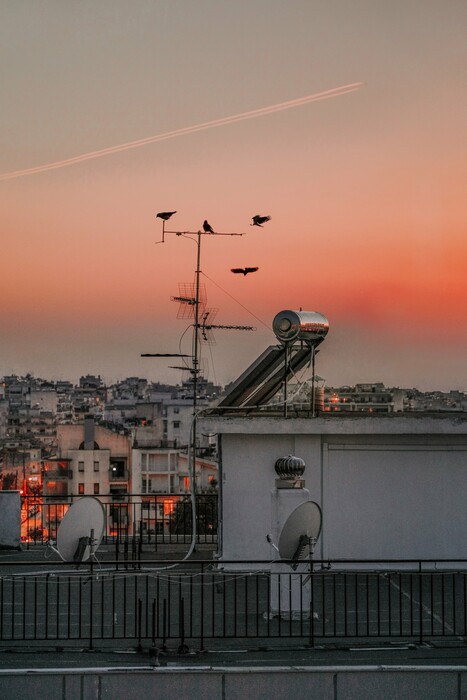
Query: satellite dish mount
[(81, 531)]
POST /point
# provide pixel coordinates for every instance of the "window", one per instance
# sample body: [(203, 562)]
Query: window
[(176, 424), (117, 468), (96, 466), (96, 488), (80, 488), (81, 466)]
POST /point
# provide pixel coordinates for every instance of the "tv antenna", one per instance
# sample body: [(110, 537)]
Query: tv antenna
[(192, 304), (206, 316)]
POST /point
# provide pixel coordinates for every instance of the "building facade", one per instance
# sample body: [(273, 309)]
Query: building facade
[(389, 487)]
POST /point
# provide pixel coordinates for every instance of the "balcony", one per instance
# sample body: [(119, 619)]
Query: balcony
[(118, 474), (57, 472)]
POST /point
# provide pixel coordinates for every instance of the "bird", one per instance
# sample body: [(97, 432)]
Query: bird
[(165, 215), (243, 270), (207, 227), (259, 220)]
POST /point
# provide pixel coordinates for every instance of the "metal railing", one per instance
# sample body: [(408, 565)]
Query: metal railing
[(191, 602), (143, 518)]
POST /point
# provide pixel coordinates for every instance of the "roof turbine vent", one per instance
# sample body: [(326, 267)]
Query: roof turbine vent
[(289, 467), (290, 471)]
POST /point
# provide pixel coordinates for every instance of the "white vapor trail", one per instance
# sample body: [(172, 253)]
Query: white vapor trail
[(272, 109)]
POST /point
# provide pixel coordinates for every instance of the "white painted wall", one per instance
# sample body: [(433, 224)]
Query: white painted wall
[(389, 487), (392, 502)]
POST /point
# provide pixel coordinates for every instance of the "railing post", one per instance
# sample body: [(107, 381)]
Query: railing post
[(202, 608), (156, 536), (153, 622), (140, 543), (164, 625), (312, 610), (183, 648), (420, 589), (139, 622), (91, 606)]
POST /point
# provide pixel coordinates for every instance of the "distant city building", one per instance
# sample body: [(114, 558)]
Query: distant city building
[(374, 398), (99, 459), (143, 430)]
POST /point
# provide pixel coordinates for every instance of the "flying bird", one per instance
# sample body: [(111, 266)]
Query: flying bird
[(243, 270), (207, 227), (165, 215), (260, 220)]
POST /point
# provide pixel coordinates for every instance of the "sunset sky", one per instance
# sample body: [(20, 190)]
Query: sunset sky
[(366, 190)]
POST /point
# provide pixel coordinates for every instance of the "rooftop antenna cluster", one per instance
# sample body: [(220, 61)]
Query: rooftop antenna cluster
[(192, 302)]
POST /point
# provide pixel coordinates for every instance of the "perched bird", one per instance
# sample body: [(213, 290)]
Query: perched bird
[(207, 227), (259, 220), (243, 270), (165, 215)]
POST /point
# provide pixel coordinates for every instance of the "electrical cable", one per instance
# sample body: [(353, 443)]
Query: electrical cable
[(236, 300)]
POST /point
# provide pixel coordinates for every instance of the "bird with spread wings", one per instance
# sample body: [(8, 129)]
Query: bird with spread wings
[(259, 220), (243, 270)]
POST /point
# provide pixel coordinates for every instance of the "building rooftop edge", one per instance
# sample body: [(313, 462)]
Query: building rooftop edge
[(407, 423)]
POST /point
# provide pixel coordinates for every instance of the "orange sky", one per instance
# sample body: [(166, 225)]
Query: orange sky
[(366, 190)]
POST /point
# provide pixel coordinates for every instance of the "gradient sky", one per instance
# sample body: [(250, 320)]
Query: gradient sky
[(367, 191)]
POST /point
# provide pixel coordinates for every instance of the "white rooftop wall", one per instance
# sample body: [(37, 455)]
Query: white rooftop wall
[(389, 487)]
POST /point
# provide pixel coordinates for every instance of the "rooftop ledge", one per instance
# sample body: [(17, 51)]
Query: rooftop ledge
[(355, 423)]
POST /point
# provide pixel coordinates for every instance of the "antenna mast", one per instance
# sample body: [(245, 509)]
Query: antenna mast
[(188, 301)]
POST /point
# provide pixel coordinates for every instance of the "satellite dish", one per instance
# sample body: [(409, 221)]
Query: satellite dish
[(300, 532), (81, 530)]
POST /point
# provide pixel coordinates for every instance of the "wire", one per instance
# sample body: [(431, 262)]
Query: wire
[(191, 471), (121, 575), (236, 300), (300, 384), (212, 365), (180, 346)]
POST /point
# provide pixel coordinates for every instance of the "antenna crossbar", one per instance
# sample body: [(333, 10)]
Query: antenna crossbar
[(184, 369), (163, 354), (184, 300), (225, 328), (205, 233)]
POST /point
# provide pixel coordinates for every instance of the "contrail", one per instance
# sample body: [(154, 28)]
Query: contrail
[(281, 106)]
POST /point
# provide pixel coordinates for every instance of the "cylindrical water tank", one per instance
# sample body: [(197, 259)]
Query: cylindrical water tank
[(309, 326), (319, 398)]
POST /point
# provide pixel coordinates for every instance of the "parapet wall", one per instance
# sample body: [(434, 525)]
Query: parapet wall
[(280, 683)]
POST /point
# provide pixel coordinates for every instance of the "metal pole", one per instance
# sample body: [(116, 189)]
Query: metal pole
[(24, 474), (313, 406), (195, 359)]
